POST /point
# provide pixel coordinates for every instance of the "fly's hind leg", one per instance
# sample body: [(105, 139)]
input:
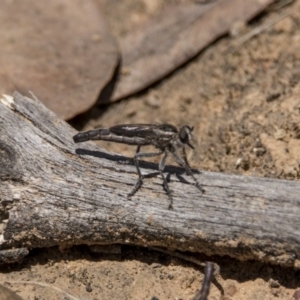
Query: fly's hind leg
[(136, 163), (140, 179), (161, 168)]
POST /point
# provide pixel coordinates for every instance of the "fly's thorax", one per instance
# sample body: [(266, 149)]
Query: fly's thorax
[(176, 144)]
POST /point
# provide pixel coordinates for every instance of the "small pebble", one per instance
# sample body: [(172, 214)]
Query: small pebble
[(89, 288), (274, 283)]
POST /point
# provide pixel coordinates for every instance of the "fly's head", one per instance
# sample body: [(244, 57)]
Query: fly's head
[(185, 135)]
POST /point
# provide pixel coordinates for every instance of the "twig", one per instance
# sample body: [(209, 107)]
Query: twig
[(179, 255), (208, 275), (43, 285), (210, 269), (280, 4), (260, 29), (187, 258)]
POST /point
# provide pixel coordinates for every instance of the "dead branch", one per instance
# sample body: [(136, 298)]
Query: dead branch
[(54, 192)]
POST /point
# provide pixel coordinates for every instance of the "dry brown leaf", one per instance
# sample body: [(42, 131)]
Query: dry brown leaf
[(60, 50), (174, 37)]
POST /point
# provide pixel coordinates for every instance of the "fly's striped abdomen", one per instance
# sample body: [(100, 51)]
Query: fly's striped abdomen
[(91, 135), (106, 135)]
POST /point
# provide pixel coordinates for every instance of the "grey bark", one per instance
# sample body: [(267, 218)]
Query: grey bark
[(55, 192)]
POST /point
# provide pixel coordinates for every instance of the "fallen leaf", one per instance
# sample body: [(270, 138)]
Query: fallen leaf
[(175, 36), (60, 50)]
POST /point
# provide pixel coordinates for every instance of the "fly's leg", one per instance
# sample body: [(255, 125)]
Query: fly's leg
[(161, 168), (140, 179), (182, 163), (136, 162), (185, 160)]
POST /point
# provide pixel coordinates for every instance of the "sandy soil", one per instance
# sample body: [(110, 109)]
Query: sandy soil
[(244, 102)]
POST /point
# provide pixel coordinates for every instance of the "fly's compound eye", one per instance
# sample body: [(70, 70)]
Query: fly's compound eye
[(185, 135)]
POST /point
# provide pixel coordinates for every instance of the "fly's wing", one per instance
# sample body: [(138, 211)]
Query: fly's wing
[(143, 130), (149, 132)]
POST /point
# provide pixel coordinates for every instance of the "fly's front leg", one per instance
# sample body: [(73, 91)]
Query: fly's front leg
[(182, 163), (136, 162), (185, 159)]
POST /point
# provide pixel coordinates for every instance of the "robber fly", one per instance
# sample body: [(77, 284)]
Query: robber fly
[(165, 137)]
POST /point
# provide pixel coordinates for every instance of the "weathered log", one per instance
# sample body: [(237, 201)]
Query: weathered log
[(55, 192)]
